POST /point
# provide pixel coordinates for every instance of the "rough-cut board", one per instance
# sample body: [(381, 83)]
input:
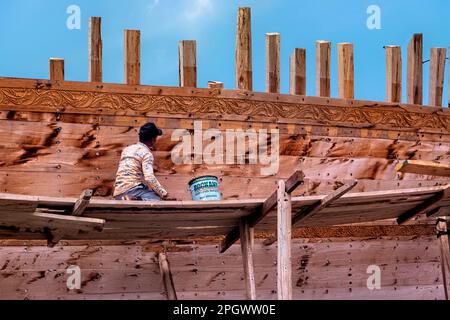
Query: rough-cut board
[(424, 168), (410, 269), (179, 219)]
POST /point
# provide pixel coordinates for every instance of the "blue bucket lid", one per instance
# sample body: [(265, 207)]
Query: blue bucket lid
[(201, 178)]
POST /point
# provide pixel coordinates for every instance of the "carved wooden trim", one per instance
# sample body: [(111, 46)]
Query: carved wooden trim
[(59, 100)]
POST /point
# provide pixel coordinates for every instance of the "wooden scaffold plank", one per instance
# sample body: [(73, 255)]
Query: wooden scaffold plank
[(246, 236), (428, 207), (269, 204), (432, 168)]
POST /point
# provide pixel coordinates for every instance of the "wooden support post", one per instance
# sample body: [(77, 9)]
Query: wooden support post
[(215, 85), (414, 70), (244, 74), (346, 71), (323, 58), (132, 57), (284, 229), (427, 207), (82, 202), (187, 54), (166, 275), (273, 62), (393, 73), (442, 234), (56, 69), (436, 82), (269, 204), (247, 259), (297, 73), (95, 49)]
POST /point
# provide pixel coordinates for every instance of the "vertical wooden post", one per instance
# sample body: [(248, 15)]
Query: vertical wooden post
[(95, 49), (247, 259), (132, 57), (346, 71), (442, 232), (284, 226), (187, 57), (273, 62), (393, 74), (215, 85), (437, 71), (56, 69), (297, 74), (414, 70), (323, 57), (166, 275), (244, 74)]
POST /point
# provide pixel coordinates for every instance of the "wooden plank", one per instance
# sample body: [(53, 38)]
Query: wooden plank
[(346, 84), (297, 73), (393, 74), (432, 168), (187, 55), (415, 70), (59, 221), (56, 69), (166, 275), (323, 60), (244, 74), (437, 71), (427, 207), (284, 231), (257, 215), (247, 258), (215, 85), (273, 62), (95, 50), (322, 204), (82, 202), (132, 57), (442, 233)]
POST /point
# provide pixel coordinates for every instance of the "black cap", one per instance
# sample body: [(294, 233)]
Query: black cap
[(149, 131)]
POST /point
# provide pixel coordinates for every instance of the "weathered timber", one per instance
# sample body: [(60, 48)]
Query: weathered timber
[(442, 233), (297, 72), (436, 81), (346, 79), (56, 69), (82, 202), (244, 74), (166, 275), (187, 53), (284, 232), (424, 167), (415, 70), (323, 61), (273, 62), (246, 237), (393, 74), (132, 39), (95, 50)]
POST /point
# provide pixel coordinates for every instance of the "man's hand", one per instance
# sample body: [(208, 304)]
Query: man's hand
[(168, 197)]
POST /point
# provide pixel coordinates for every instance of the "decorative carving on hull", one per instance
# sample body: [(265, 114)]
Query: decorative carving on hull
[(98, 102)]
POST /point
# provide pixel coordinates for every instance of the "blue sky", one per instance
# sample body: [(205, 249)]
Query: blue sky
[(31, 31)]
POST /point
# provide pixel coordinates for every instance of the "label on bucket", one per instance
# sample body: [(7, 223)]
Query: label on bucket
[(205, 188)]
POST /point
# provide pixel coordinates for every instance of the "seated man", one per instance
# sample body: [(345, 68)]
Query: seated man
[(135, 179)]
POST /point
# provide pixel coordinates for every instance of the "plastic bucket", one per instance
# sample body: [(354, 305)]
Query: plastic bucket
[(205, 188)]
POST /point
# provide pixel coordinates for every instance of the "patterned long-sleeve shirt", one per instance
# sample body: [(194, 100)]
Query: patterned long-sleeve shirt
[(136, 167)]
